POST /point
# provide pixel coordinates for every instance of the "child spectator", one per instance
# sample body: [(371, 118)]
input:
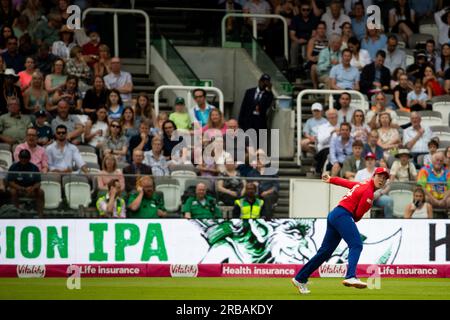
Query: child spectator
[(431, 84), (401, 94), (419, 208), (115, 105), (160, 119), (44, 131), (417, 99), (143, 109), (433, 146), (128, 123), (181, 117)]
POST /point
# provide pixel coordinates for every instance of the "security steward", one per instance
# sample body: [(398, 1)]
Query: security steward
[(201, 206), (250, 206)]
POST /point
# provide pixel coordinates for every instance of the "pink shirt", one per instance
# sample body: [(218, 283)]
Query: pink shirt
[(104, 178), (24, 79), (214, 132), (38, 155)]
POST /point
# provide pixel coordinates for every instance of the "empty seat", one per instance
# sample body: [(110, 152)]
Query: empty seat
[(442, 132), (6, 156), (51, 186), (430, 29), (172, 196), (403, 117), (182, 176), (409, 60), (419, 39), (77, 191), (431, 118), (444, 108), (402, 195), (5, 146), (93, 167)]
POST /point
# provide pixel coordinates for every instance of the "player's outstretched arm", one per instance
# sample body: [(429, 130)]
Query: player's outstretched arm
[(326, 178)]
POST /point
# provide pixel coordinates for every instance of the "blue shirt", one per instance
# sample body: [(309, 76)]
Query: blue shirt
[(373, 47), (338, 150), (359, 28), (345, 77), (312, 124), (421, 7)]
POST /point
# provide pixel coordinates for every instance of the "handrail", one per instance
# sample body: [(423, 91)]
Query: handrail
[(194, 9), (299, 110), (255, 29), (188, 89), (116, 29)]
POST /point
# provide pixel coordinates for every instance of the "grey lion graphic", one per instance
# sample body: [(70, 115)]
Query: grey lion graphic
[(285, 241)]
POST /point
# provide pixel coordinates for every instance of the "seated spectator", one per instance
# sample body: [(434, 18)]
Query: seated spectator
[(62, 155), (61, 9), (37, 153), (44, 59), (328, 58), (431, 84), (447, 157), (442, 61), (433, 146), (35, 98), (63, 47), (112, 205), (95, 97), (334, 18), (57, 79), (96, 129), (250, 206), (395, 57), (144, 110), (389, 138), (343, 76), (48, 30), (25, 75), (417, 99), (359, 20), (5, 32), (13, 124), (91, 49), (381, 198), (201, 206), (436, 182), (373, 116), (34, 11), (374, 41), (419, 208), (372, 146), (155, 158), (170, 140), (354, 162), (202, 109), (375, 77), (70, 94), (76, 66), (71, 122), (10, 90), (401, 94), (395, 79), (346, 111), (141, 141), (2, 66), (231, 187), (216, 125), (417, 70), (128, 123), (180, 116), (360, 129), (109, 173), (120, 80), (340, 148), (237, 142), (44, 131), (360, 57), (12, 58), (116, 143), (136, 168), (310, 129), (432, 56), (324, 134), (22, 184), (214, 157), (402, 20), (27, 47), (403, 170), (20, 27), (416, 137), (114, 104), (315, 45), (346, 34), (145, 203), (103, 66)]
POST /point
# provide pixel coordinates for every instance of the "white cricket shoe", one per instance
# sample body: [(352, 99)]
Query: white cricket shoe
[(355, 283), (302, 287)]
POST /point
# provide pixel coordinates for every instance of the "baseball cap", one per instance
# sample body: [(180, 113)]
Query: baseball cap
[(370, 155), (40, 113), (265, 76), (24, 154), (316, 106), (179, 100), (381, 170), (421, 54)]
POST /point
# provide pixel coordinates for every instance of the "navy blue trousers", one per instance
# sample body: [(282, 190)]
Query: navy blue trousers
[(340, 225)]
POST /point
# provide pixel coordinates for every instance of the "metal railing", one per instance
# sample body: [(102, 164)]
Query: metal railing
[(116, 29), (255, 26), (299, 110), (188, 89)]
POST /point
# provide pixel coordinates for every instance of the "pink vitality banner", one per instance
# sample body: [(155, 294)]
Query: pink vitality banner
[(219, 270)]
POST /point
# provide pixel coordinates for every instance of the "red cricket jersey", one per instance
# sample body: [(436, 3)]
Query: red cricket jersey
[(359, 199)]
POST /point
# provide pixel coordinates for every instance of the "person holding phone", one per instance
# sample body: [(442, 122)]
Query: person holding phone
[(419, 208)]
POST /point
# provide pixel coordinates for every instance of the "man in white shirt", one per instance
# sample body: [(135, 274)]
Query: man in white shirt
[(324, 134), (120, 80), (310, 129), (334, 18), (416, 137), (442, 19)]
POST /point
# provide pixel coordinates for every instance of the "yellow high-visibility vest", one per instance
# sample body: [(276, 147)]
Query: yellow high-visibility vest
[(249, 211)]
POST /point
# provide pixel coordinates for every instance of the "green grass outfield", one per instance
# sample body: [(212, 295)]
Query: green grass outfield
[(218, 289)]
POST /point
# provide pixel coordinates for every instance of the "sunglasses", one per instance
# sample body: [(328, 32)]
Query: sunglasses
[(115, 126)]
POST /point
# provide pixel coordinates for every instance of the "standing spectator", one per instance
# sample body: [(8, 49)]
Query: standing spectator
[(359, 21), (389, 138), (128, 123), (201, 206), (13, 125), (112, 205), (375, 77), (114, 104), (416, 137), (71, 122), (103, 66), (345, 113), (433, 146), (62, 155), (145, 203), (250, 206), (141, 141), (442, 19), (360, 57), (202, 109), (91, 49), (340, 148), (395, 57), (354, 162), (116, 143), (432, 85), (25, 75), (136, 168), (155, 158), (37, 153), (95, 97), (63, 47), (401, 94), (48, 30), (372, 147), (403, 170), (25, 184), (328, 58), (324, 134), (419, 208), (96, 129), (315, 45), (57, 79), (417, 99), (310, 129), (373, 41), (180, 116), (76, 66), (12, 58), (120, 80), (256, 103), (360, 129), (231, 187), (109, 173), (334, 18), (9, 90), (344, 76), (35, 98), (44, 131), (70, 94), (402, 20)]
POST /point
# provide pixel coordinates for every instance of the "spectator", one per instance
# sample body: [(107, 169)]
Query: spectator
[(145, 203), (159, 120), (340, 148), (372, 146), (91, 49), (432, 55), (2, 66), (403, 170), (9, 90), (128, 123), (402, 20), (95, 97), (155, 158), (13, 125), (360, 129), (135, 169), (61, 9), (8, 14), (37, 153), (5, 33), (310, 129), (374, 41), (236, 142), (353, 162), (258, 7), (120, 80), (21, 25), (433, 146), (432, 85), (35, 98), (360, 57), (143, 110), (447, 157), (346, 34), (443, 61), (315, 45), (48, 30), (395, 57), (71, 122), (180, 116), (114, 104), (419, 208), (202, 109), (416, 137), (216, 125), (26, 46), (103, 66), (381, 199), (256, 103), (423, 9), (34, 12), (28, 184), (233, 25), (250, 206), (76, 66), (141, 141), (442, 19), (70, 94), (12, 58), (436, 182), (64, 46), (359, 21), (214, 158), (25, 75), (343, 76), (170, 140), (109, 173), (346, 111), (57, 79), (401, 94), (116, 143), (334, 18), (324, 134), (417, 99), (44, 131), (395, 79), (62, 155), (112, 205), (328, 58), (231, 187), (96, 129), (287, 9), (389, 137), (417, 70), (375, 77), (201, 206), (350, 5)]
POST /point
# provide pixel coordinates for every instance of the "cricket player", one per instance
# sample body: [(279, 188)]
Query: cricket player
[(341, 225)]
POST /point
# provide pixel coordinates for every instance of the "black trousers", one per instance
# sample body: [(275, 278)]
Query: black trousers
[(321, 158)]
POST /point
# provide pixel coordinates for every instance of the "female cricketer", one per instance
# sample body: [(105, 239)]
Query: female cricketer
[(341, 225)]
